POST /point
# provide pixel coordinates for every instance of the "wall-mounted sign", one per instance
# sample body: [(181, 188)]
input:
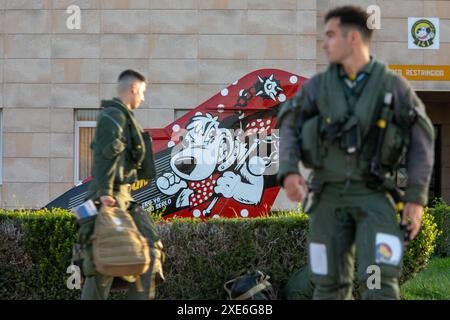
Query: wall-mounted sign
[(422, 73), (423, 33)]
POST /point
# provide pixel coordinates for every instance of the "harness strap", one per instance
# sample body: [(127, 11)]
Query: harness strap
[(261, 286), (264, 283), (139, 286), (105, 115)]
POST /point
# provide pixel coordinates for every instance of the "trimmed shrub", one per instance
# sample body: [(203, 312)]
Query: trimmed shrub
[(202, 256), (15, 263), (36, 248), (421, 248), (441, 212), (45, 240)]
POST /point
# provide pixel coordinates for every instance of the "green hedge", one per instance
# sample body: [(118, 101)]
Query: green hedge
[(441, 212), (35, 251), (421, 248)]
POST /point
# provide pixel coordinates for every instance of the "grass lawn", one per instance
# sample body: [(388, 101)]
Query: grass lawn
[(432, 283)]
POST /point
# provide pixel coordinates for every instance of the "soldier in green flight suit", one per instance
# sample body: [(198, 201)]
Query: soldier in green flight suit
[(353, 125), (122, 154)]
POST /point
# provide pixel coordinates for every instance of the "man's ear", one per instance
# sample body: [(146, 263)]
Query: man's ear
[(134, 88), (355, 36)]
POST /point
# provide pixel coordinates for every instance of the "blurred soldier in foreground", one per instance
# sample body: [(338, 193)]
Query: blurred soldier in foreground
[(352, 125)]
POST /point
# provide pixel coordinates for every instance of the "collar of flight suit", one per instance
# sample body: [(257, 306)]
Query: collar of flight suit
[(367, 69)]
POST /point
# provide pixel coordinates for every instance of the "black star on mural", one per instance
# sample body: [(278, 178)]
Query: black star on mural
[(268, 88)]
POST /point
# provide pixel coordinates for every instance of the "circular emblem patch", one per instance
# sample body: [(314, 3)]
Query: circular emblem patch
[(423, 33)]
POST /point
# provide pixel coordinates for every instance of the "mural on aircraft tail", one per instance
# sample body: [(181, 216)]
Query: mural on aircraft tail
[(218, 160)]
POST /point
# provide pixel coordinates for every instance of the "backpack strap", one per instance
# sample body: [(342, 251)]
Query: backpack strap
[(263, 284), (372, 147), (385, 114), (227, 287), (105, 115), (259, 287), (139, 286)]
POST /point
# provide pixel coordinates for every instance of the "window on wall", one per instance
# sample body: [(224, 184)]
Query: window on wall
[(84, 133)]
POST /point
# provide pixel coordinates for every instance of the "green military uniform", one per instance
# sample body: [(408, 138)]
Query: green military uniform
[(122, 154), (332, 126), (299, 286)]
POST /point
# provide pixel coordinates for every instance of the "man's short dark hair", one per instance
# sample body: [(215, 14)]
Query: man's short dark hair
[(132, 75), (353, 17), (127, 79)]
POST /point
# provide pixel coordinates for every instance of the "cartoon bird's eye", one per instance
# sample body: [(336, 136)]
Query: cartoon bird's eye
[(184, 141), (211, 136), (187, 140)]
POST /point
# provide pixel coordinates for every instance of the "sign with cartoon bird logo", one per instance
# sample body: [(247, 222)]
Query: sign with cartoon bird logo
[(423, 33)]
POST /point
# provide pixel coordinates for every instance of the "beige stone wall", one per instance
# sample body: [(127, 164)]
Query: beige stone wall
[(390, 43), (189, 49)]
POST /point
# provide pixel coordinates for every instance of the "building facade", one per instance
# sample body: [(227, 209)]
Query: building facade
[(58, 62)]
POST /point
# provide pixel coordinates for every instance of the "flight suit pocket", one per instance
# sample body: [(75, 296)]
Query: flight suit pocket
[(310, 142), (113, 149), (392, 147)]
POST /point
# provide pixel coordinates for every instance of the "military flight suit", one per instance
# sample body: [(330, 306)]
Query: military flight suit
[(330, 126), (299, 286), (121, 155)]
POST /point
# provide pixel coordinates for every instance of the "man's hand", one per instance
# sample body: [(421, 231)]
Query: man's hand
[(412, 217), (296, 187), (108, 201)]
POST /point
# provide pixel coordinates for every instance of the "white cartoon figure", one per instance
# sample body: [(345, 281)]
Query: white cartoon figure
[(211, 163), (424, 33)]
